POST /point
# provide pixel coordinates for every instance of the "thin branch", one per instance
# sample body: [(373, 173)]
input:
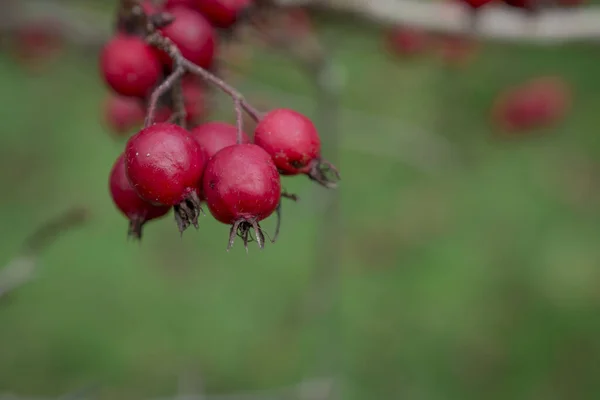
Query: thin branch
[(179, 104), (221, 84), (494, 21), (183, 65), (84, 27), (162, 89), (21, 269), (312, 389)]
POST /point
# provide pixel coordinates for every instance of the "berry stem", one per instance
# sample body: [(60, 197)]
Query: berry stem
[(239, 122), (179, 104), (161, 90), (221, 84), (183, 65)]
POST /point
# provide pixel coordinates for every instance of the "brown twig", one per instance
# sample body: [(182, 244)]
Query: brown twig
[(183, 65), (21, 269)]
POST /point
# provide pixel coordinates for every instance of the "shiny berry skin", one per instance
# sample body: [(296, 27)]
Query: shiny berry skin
[(193, 35), (290, 138), (129, 203), (242, 187), (164, 165), (214, 136), (293, 142), (406, 41), (123, 113), (130, 66), (222, 13)]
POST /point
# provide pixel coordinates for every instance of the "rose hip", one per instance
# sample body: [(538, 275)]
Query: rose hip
[(406, 41), (130, 66), (534, 104), (123, 113), (242, 187), (164, 165), (216, 135), (222, 13), (293, 142), (193, 35), (137, 210)]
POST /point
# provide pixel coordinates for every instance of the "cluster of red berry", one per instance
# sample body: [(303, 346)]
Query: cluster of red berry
[(133, 68), (165, 165)]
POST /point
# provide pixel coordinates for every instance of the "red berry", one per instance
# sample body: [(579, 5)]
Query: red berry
[(222, 13), (293, 142), (530, 5), (129, 203), (290, 138), (130, 66), (477, 3), (193, 98), (123, 113), (242, 187), (163, 114), (164, 164), (193, 35), (214, 136), (176, 3), (535, 104), (149, 7), (36, 42), (405, 41)]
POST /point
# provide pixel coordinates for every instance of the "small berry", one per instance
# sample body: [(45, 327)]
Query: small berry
[(242, 187), (36, 42), (535, 104), (530, 6), (222, 13), (194, 100), (130, 66), (193, 35), (149, 7), (181, 3), (405, 41), (477, 3), (163, 114), (164, 165), (214, 136), (129, 203), (294, 144), (474, 7), (123, 113)]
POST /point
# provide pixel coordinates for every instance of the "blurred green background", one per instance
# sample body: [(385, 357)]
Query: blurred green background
[(469, 266)]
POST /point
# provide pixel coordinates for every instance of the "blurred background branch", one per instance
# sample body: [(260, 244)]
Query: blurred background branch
[(496, 22), (22, 268), (83, 26), (313, 389)]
